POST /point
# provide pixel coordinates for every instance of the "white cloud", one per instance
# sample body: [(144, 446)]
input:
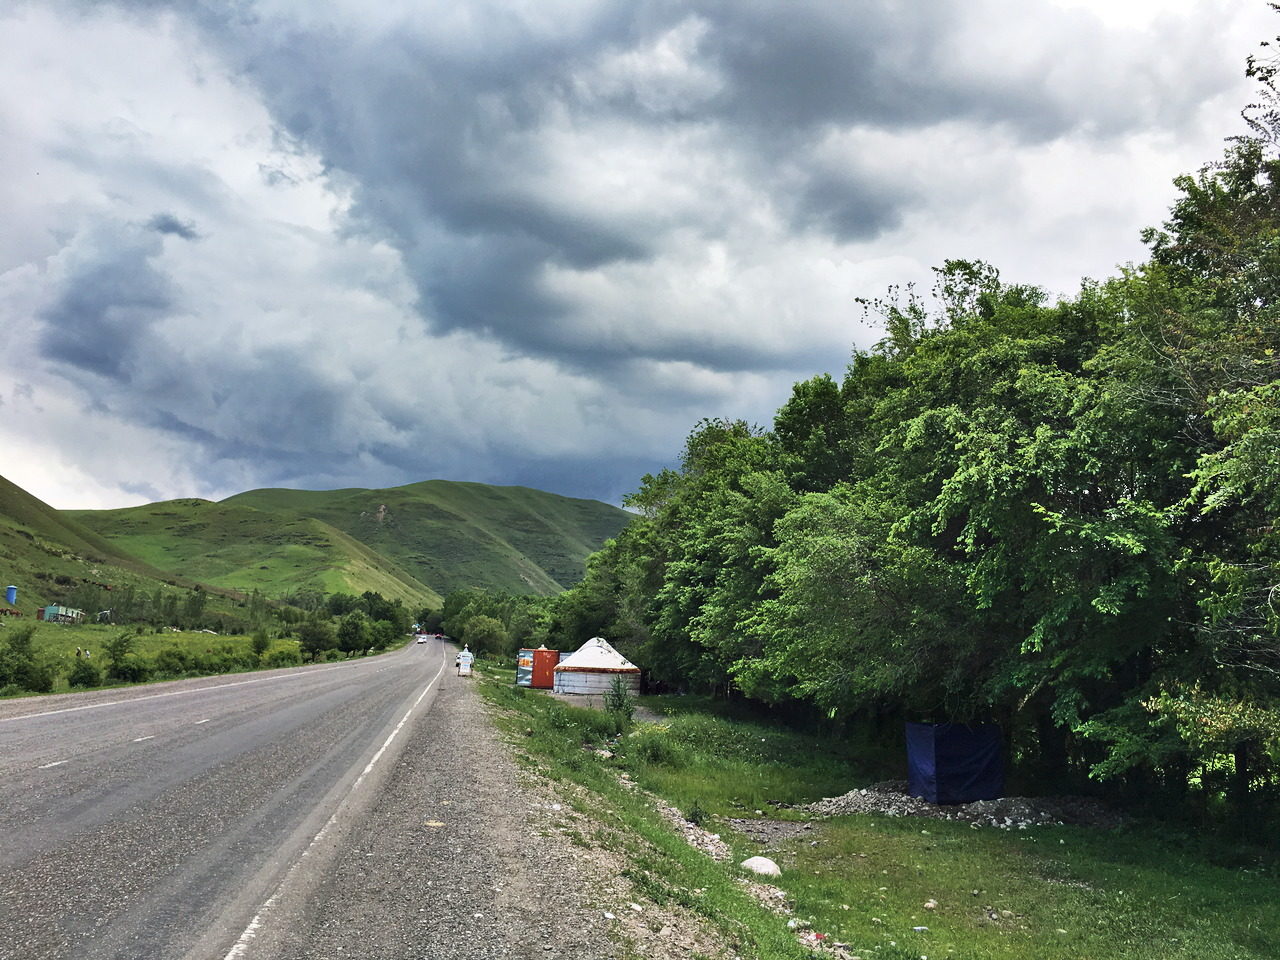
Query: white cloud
[(480, 240)]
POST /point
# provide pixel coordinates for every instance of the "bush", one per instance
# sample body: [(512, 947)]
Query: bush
[(36, 677), (382, 634), (283, 657), (697, 814), (129, 669), (84, 674), (18, 664), (173, 662)]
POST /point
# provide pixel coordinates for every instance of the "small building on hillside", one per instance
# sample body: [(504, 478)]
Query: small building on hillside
[(54, 613), (592, 669)]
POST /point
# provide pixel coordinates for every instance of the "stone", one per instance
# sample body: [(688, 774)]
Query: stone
[(762, 866)]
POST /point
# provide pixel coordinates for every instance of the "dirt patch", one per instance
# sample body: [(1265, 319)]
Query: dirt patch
[(770, 832)]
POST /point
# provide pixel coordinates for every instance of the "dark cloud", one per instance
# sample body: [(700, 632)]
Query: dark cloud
[(603, 220), (849, 209), (442, 127), (168, 223), (109, 297)]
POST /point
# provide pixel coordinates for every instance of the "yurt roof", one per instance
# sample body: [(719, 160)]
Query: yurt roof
[(597, 656)]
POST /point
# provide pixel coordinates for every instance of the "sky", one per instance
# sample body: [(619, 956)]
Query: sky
[(285, 243)]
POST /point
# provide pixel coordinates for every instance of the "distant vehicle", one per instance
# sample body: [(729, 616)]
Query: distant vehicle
[(422, 638)]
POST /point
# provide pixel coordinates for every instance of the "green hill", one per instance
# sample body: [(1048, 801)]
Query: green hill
[(414, 543), (451, 535), (236, 546), (48, 553)]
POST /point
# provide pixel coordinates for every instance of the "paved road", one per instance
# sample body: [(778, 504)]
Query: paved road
[(156, 822)]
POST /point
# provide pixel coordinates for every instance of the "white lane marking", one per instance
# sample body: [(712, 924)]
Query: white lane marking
[(177, 693), (140, 739), (205, 720), (46, 766), (241, 945)]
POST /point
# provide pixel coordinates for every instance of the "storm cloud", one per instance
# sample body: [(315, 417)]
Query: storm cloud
[(278, 242)]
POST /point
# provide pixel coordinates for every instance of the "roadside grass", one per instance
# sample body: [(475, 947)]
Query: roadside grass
[(1053, 893), (549, 736), (1145, 892), (729, 762)]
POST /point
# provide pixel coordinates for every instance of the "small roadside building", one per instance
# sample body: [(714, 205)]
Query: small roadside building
[(592, 669)]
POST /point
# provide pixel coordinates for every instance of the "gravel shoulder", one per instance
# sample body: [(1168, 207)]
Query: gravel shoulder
[(462, 854)]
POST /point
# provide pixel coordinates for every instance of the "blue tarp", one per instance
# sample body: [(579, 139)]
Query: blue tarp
[(955, 763)]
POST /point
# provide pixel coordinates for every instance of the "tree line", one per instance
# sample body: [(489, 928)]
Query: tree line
[(1061, 516)]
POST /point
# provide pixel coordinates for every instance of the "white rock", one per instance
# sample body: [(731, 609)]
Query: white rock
[(761, 865)]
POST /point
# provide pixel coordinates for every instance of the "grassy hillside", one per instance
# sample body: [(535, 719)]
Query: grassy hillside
[(451, 535), (47, 553), (414, 543), (237, 546)]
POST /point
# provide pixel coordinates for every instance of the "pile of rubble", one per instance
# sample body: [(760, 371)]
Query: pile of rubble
[(891, 799)]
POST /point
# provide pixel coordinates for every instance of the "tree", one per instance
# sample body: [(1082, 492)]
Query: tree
[(382, 634), (485, 635), (315, 636), (353, 632), (260, 642)]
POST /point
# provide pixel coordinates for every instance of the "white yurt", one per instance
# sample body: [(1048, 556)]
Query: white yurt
[(592, 667)]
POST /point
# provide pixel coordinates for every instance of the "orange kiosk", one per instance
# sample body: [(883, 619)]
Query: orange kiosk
[(544, 665)]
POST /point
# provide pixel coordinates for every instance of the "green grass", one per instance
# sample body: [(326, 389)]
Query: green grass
[(413, 543), (452, 535), (1145, 892), (243, 548), (56, 644), (1061, 892), (45, 553)]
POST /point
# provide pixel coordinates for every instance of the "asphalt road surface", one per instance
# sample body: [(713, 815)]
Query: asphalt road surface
[(164, 821)]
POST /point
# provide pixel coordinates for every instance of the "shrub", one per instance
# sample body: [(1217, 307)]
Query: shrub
[(33, 676), (84, 674), (173, 662), (619, 701), (129, 669), (283, 657)]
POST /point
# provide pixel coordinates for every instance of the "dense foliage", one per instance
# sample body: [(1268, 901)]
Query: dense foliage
[(1060, 516)]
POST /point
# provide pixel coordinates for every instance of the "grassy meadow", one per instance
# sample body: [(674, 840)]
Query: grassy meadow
[(1141, 892)]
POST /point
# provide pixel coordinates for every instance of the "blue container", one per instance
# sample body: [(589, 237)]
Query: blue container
[(11, 595), (954, 763)]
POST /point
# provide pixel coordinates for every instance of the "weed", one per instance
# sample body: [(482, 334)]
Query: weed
[(697, 814), (619, 702)]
